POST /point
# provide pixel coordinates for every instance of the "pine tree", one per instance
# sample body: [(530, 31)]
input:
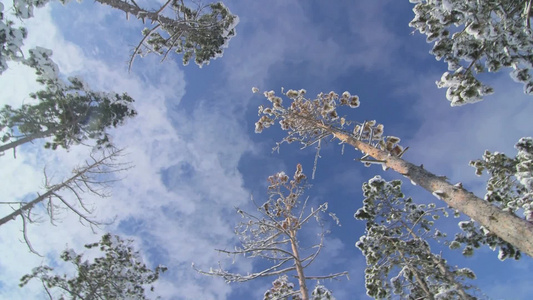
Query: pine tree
[(118, 274), (70, 112), (309, 121), (12, 37), (396, 246), (510, 187), (200, 32), (283, 289), (475, 37), (273, 237)]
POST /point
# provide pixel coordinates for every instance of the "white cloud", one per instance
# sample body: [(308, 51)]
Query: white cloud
[(178, 199), (183, 220)]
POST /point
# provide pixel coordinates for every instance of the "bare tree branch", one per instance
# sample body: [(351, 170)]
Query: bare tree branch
[(93, 178)]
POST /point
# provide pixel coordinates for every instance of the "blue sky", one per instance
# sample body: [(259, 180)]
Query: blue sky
[(196, 155)]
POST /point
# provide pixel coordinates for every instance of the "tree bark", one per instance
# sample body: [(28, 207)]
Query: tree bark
[(28, 138), (505, 225)]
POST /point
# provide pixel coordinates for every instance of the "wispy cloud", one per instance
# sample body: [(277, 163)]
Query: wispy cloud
[(183, 219)]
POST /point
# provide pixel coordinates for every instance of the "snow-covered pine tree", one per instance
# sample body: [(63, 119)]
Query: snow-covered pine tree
[(70, 112), (202, 31), (397, 250), (475, 37), (283, 289), (308, 121), (510, 187), (119, 274), (199, 31), (12, 36)]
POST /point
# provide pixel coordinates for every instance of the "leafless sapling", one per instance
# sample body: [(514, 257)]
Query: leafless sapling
[(273, 236)]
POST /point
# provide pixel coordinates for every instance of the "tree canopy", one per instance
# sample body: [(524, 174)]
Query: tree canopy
[(397, 249), (200, 31), (472, 37), (70, 112), (475, 37), (309, 121), (119, 274)]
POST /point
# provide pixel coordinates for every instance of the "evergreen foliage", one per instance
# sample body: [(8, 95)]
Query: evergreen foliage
[(199, 32), (475, 37), (70, 112), (283, 289), (510, 187), (309, 121), (118, 274), (12, 37), (396, 246)]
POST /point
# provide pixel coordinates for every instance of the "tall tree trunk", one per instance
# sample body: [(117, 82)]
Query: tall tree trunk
[(30, 205), (28, 138), (298, 263), (505, 225)]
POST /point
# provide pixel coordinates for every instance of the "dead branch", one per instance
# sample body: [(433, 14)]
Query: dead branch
[(93, 178)]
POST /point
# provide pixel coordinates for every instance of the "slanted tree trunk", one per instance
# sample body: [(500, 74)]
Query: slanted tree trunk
[(505, 225), (31, 204), (28, 138)]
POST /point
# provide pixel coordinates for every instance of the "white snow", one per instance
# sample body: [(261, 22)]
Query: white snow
[(439, 194)]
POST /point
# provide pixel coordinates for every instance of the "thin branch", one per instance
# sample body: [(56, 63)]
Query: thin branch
[(330, 276), (528, 13), (25, 235), (139, 45), (258, 249), (80, 214), (162, 7), (317, 155), (174, 40)]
